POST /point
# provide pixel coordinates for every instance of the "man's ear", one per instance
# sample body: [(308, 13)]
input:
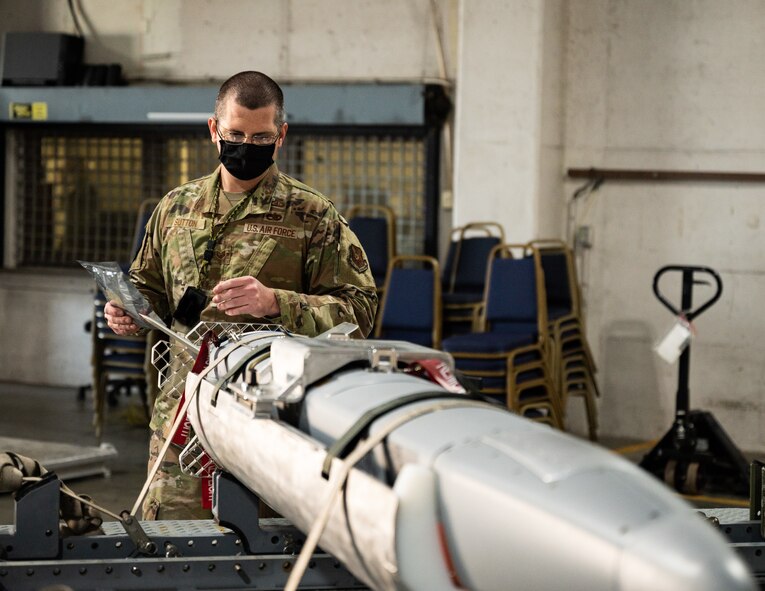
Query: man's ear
[(212, 125), (282, 135)]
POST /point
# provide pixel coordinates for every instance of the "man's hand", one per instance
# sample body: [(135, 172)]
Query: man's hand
[(119, 321), (245, 295)]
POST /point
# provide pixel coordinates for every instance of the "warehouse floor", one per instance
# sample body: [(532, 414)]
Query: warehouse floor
[(53, 414)]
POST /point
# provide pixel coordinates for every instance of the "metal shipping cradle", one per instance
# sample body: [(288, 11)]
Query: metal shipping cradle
[(745, 528), (243, 552), (247, 553)]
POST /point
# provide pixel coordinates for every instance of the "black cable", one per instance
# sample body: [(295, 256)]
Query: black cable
[(591, 185), (73, 12)]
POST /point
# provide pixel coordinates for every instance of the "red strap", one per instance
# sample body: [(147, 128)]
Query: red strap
[(181, 435), (203, 357)]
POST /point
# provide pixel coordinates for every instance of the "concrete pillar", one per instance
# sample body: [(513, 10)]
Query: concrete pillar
[(507, 137)]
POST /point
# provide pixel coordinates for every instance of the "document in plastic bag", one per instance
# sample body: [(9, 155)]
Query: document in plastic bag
[(116, 286)]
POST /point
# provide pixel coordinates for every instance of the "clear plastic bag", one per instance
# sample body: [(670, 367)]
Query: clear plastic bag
[(116, 286)]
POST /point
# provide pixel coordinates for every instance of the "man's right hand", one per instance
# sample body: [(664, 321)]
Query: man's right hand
[(119, 321)]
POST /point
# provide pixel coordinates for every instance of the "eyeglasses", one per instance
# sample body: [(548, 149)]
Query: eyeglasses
[(238, 138)]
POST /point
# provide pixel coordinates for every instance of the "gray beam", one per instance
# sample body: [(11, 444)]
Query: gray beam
[(309, 104)]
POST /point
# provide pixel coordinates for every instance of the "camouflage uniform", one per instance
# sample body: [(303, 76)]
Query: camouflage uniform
[(289, 237)]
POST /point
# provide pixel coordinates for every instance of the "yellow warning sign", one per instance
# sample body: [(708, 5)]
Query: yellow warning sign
[(35, 111), (40, 111), (20, 110)]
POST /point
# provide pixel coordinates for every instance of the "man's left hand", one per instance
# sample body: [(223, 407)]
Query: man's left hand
[(245, 295)]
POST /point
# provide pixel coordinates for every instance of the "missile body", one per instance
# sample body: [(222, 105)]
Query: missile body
[(461, 494)]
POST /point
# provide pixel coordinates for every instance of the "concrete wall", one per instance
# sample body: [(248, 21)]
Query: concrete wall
[(43, 328), (671, 84), (509, 117), (498, 114), (541, 86), (193, 40)]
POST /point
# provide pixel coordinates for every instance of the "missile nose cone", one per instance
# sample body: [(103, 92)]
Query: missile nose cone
[(679, 554)]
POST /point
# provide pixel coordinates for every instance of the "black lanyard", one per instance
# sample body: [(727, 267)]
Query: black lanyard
[(215, 233)]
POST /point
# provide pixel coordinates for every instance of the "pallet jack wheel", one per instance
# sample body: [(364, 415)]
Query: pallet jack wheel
[(670, 469), (685, 478), (694, 481)]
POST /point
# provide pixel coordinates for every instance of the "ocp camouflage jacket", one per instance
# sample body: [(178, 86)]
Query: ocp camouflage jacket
[(289, 237)]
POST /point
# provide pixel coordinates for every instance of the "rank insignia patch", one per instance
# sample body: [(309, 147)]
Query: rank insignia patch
[(356, 258)]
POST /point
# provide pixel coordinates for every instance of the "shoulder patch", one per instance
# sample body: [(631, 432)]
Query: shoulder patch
[(356, 258)]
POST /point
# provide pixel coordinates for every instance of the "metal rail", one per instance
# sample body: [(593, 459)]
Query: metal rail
[(622, 174)]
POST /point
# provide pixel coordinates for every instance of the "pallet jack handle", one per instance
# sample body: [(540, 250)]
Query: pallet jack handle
[(687, 296), (686, 311)]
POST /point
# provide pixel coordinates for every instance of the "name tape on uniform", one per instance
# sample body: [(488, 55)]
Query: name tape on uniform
[(189, 223), (270, 230)]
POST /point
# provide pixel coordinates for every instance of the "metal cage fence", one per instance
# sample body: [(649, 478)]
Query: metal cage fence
[(76, 191)]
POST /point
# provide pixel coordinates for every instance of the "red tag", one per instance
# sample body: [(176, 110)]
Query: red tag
[(438, 371), (208, 466), (181, 435), (207, 492), (203, 357)]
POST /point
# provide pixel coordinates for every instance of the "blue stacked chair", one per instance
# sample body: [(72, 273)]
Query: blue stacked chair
[(145, 209), (411, 304), (375, 226), (510, 355), (118, 363), (573, 364), (464, 274)]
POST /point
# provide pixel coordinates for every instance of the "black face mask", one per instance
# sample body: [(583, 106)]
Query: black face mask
[(246, 161)]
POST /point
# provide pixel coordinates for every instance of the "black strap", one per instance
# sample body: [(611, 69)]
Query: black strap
[(263, 351), (342, 447)]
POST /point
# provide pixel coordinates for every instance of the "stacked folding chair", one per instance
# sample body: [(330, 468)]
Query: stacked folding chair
[(464, 274), (120, 363), (573, 363), (510, 355), (411, 303)]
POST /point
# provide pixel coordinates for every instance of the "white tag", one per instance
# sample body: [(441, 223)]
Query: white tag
[(674, 342)]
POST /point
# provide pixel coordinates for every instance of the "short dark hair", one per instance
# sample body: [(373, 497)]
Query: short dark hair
[(252, 90)]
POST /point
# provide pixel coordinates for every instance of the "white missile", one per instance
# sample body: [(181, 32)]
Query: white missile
[(459, 493)]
